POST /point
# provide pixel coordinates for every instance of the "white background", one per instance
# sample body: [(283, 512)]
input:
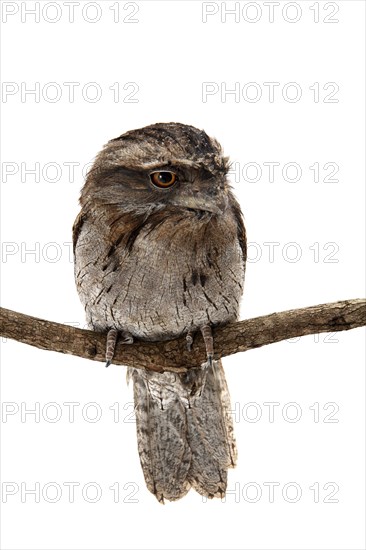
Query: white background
[(169, 53)]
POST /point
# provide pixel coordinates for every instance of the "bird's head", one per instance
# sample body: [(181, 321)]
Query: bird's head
[(165, 164)]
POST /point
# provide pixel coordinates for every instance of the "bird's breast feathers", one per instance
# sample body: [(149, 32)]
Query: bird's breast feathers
[(159, 275)]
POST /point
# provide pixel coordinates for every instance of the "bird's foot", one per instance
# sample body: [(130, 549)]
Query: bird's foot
[(189, 340), (112, 336), (206, 332)]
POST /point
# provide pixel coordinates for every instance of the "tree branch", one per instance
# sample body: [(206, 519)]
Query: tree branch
[(173, 355)]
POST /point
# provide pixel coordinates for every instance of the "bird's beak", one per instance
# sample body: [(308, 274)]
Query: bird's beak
[(215, 203)]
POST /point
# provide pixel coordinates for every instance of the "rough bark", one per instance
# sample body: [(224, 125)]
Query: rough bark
[(173, 355)]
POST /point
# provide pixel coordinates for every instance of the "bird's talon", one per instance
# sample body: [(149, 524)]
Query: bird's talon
[(189, 339), (125, 338), (111, 344), (208, 339)]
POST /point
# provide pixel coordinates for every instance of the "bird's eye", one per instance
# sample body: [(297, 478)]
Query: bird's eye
[(163, 179)]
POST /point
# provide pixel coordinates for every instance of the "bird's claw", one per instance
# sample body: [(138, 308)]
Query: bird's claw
[(206, 332), (208, 340), (112, 336), (189, 340), (126, 338)]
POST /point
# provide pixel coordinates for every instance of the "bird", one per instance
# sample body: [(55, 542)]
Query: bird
[(159, 253)]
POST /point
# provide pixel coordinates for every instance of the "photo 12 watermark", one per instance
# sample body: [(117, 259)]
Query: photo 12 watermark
[(270, 12), (279, 172), (70, 492), (69, 92), (71, 412), (45, 172), (72, 171), (70, 12), (269, 92), (276, 492), (291, 252)]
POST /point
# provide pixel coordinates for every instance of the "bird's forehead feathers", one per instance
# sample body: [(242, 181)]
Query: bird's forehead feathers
[(165, 144)]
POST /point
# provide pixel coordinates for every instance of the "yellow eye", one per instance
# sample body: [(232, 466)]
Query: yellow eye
[(163, 179)]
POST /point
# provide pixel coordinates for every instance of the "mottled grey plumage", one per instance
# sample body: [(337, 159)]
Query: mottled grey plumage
[(155, 263)]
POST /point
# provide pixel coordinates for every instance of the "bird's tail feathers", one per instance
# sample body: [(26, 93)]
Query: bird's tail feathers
[(184, 431)]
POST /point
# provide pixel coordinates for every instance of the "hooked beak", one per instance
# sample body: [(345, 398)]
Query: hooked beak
[(210, 199), (216, 205)]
